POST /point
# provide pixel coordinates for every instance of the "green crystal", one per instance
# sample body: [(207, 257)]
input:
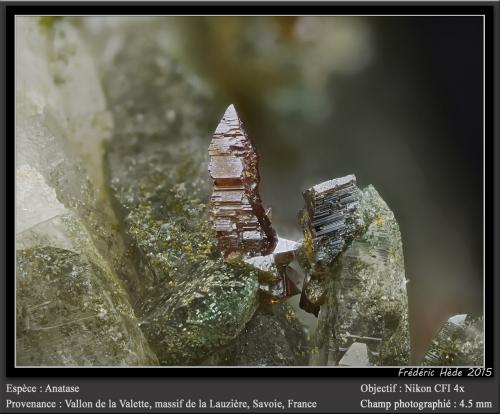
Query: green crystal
[(273, 337), (366, 299), (71, 311)]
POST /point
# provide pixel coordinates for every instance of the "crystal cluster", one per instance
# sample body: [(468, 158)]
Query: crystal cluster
[(351, 257), (237, 214), (242, 226), (74, 302), (193, 303), (116, 262), (331, 218)]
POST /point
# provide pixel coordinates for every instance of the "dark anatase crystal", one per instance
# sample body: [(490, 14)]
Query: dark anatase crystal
[(331, 218), (236, 212), (366, 299)]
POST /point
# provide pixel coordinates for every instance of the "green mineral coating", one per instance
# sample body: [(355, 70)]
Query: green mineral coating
[(458, 345), (71, 311), (273, 337), (202, 313), (366, 300), (191, 301), (194, 302)]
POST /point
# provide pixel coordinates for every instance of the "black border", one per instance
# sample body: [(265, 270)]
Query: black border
[(267, 8)]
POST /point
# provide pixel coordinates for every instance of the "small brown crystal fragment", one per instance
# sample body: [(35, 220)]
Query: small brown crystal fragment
[(236, 212), (285, 287)]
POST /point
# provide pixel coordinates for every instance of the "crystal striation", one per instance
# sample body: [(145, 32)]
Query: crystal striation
[(366, 299), (331, 218), (236, 212)]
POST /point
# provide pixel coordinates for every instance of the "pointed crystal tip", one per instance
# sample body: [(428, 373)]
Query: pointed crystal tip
[(230, 114), (236, 210), (230, 110)]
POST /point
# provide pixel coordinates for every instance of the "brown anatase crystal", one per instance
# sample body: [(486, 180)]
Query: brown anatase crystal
[(236, 212)]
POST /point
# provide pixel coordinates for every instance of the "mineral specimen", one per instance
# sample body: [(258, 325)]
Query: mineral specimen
[(199, 315), (72, 306), (366, 299), (236, 212), (194, 302), (242, 227), (460, 341), (71, 311), (331, 219), (131, 274)]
